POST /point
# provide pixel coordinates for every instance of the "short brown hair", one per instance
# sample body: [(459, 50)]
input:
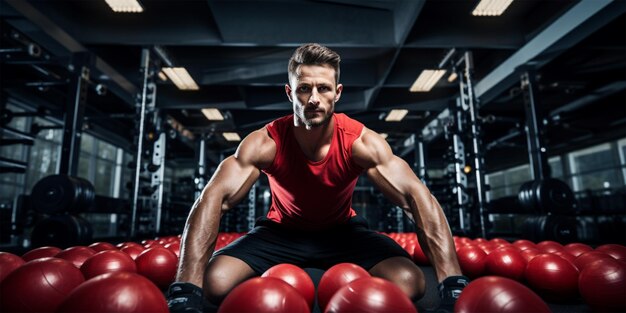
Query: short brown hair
[(314, 54)]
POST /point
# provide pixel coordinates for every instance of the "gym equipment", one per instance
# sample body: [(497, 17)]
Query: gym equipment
[(370, 295), (553, 277), (472, 261), (499, 294), (336, 277), (159, 265), (296, 277), (506, 262), (120, 292), (39, 253), (8, 263), (551, 227), (546, 196), (61, 231), (264, 294), (543, 194), (62, 193), (6, 116), (602, 285), (77, 255), (147, 200), (101, 246), (618, 252), (465, 124), (107, 261), (39, 286)]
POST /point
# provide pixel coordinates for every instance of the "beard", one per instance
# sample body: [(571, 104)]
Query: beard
[(316, 121)]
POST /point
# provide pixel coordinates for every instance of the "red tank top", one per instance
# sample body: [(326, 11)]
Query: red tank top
[(307, 194)]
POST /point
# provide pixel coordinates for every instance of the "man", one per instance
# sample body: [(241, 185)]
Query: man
[(312, 159)]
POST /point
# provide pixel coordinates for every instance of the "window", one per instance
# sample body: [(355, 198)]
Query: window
[(12, 184), (496, 184), (99, 164), (515, 177), (43, 159), (621, 146), (556, 167), (507, 182), (594, 168)]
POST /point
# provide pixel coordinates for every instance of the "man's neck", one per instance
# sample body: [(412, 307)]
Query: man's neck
[(314, 139)]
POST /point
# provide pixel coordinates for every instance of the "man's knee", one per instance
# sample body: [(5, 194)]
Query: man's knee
[(222, 275), (414, 283), (216, 286), (404, 273)]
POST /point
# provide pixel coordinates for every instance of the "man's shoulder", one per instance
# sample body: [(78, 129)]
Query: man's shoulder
[(281, 121), (258, 148), (348, 124)]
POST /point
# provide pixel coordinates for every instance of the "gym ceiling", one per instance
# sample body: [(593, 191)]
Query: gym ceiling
[(237, 52)]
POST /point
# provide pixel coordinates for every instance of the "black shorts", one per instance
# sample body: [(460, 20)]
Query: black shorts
[(270, 243)]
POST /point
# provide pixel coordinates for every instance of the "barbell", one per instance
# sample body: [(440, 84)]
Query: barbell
[(560, 228), (62, 231), (546, 196), (62, 193)]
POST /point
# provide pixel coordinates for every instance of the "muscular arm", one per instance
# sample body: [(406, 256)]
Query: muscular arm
[(396, 180), (230, 183)]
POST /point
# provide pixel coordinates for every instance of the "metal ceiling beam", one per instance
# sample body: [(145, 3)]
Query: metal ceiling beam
[(570, 28), (573, 26), (126, 90), (405, 16), (245, 72), (594, 96)]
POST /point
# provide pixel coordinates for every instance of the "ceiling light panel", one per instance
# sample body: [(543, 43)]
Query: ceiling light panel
[(125, 6)]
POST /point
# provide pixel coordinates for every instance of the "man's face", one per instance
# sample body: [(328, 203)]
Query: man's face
[(313, 93)]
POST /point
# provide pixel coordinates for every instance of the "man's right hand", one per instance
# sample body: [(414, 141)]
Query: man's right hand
[(185, 297)]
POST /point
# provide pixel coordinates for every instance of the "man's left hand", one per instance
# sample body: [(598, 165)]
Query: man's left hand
[(449, 291)]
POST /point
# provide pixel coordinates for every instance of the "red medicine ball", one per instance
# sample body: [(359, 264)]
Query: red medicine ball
[(336, 277), (102, 246), (618, 252), (120, 292), (603, 285), (77, 255), (159, 265), (499, 294), (296, 277), (39, 286), (553, 277), (264, 294), (38, 253), (370, 295), (472, 261), (506, 262), (8, 263), (107, 261)]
